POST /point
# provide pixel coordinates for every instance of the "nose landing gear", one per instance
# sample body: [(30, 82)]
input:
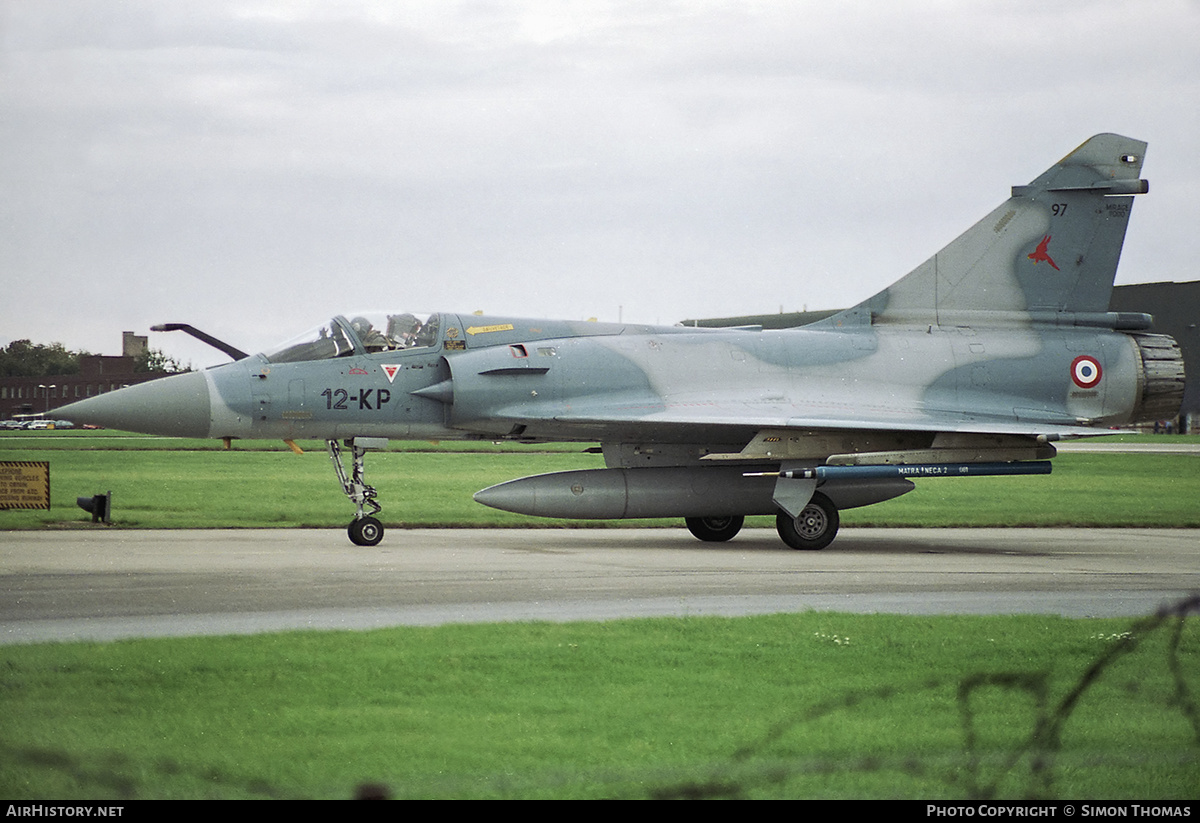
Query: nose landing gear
[(364, 529)]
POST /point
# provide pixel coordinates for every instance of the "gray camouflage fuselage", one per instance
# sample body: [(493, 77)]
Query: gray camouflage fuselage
[(993, 348)]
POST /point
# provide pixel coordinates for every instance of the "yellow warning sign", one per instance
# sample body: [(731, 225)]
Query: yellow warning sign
[(24, 484)]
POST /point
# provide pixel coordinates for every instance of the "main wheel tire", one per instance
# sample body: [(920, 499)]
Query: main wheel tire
[(814, 529), (366, 531), (714, 529)]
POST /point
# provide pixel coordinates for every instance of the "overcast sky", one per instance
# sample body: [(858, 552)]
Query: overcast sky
[(254, 167)]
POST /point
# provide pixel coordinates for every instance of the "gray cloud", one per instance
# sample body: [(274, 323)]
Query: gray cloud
[(253, 167)]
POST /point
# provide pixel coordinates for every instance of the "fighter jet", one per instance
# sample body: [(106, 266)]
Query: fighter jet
[(973, 363)]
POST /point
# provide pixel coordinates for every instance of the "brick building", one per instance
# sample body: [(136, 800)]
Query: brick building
[(22, 397)]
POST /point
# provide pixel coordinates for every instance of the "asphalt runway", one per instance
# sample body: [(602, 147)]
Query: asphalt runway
[(105, 584)]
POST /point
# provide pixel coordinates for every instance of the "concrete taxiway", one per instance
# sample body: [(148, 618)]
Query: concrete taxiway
[(103, 584), (1084, 447)]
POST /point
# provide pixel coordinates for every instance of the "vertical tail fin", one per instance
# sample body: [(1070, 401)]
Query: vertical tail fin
[(1052, 248)]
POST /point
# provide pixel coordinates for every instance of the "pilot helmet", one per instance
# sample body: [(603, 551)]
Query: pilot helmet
[(399, 324)]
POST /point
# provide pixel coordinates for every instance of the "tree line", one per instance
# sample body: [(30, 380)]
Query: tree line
[(24, 358)]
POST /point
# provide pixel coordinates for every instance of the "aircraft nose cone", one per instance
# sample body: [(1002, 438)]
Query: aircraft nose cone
[(176, 406)]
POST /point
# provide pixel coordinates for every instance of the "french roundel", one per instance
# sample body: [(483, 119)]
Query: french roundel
[(1085, 371)]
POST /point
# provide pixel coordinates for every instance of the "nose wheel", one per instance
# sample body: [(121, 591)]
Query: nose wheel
[(364, 529)]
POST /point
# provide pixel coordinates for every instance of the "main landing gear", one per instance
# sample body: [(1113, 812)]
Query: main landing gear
[(814, 529), (714, 529), (364, 529)]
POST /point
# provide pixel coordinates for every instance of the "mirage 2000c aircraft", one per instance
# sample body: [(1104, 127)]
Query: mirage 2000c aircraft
[(974, 363)]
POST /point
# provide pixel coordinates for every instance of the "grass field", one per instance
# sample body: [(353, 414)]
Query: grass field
[(198, 485), (782, 706), (807, 705)]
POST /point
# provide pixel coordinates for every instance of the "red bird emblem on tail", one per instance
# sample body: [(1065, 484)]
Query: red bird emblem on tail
[(1042, 255)]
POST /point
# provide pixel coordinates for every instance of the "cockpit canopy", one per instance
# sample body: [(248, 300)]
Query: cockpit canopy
[(361, 334)]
